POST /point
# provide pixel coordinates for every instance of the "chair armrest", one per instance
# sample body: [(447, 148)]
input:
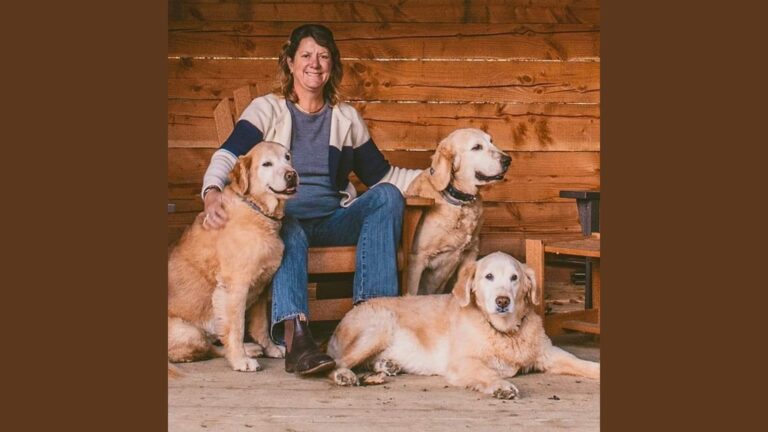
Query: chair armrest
[(419, 202)]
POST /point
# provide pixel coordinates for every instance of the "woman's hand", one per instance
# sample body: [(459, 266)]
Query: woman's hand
[(215, 215)]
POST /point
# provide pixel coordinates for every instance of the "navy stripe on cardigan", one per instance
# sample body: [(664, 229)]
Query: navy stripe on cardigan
[(243, 138), (366, 160)]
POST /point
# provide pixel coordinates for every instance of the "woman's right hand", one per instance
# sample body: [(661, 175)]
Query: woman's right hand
[(215, 215)]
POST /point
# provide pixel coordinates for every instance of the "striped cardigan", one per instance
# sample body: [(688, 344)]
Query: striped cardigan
[(267, 118)]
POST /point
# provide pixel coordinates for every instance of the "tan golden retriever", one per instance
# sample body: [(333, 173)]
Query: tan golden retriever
[(447, 236), (216, 276), (485, 331)]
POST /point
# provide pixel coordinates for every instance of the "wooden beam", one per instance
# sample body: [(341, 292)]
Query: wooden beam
[(368, 80), (398, 40)]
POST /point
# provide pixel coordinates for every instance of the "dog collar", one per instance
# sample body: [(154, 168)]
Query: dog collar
[(457, 197), (258, 210)]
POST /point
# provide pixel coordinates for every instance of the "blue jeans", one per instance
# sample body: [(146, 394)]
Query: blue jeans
[(373, 222)]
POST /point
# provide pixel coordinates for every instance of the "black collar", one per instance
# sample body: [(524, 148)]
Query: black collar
[(462, 197), (258, 210)]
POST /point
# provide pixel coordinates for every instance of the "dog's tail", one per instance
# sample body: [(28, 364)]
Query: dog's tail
[(174, 372)]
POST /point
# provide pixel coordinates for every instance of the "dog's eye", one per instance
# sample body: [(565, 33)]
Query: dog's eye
[(287, 156), (513, 278), (267, 164), (477, 147), (489, 276)]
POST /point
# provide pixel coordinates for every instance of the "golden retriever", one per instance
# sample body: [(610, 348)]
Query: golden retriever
[(486, 330), (447, 236), (215, 276)]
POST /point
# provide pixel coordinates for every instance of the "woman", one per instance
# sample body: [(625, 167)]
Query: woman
[(328, 140)]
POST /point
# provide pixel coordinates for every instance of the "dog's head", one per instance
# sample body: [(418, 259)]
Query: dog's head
[(265, 175), (469, 159), (503, 288)]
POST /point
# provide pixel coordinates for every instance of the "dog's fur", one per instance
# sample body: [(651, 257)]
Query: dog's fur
[(447, 236), (215, 276), (472, 337)]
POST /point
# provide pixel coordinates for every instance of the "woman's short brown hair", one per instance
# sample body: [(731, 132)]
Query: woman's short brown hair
[(324, 37)]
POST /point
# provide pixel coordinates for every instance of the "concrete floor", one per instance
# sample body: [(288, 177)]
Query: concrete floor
[(212, 397)]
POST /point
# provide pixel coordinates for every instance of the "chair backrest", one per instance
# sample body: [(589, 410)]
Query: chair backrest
[(222, 114)]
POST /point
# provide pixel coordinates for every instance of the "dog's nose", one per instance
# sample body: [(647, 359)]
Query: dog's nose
[(290, 178), (505, 161), (502, 301)]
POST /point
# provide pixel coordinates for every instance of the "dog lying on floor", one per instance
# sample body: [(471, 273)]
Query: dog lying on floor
[(485, 331), (448, 234), (216, 276)]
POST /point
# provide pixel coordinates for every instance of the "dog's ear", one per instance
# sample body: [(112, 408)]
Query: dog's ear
[(442, 165), (530, 281), (240, 174), (462, 290)]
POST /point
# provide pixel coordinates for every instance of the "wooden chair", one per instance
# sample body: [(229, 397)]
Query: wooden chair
[(327, 260), (588, 246)]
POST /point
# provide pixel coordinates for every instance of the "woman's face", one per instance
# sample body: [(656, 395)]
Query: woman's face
[(310, 66)]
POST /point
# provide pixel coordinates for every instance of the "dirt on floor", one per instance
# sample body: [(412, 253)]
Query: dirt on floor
[(212, 397)]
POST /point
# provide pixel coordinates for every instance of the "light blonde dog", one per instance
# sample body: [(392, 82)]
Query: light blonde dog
[(447, 236), (215, 276), (482, 333)]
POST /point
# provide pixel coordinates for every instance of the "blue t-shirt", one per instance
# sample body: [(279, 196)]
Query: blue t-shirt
[(310, 139)]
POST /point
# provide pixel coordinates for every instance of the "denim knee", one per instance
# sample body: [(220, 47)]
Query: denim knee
[(389, 198), (293, 234)]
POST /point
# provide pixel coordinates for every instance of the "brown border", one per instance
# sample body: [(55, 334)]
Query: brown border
[(676, 164), (87, 154)]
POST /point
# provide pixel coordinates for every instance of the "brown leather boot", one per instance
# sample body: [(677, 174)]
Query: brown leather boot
[(303, 356)]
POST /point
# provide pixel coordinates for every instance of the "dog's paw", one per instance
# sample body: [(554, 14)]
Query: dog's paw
[(372, 378), (505, 390), (274, 351), (387, 366), (245, 364), (253, 350), (344, 377)]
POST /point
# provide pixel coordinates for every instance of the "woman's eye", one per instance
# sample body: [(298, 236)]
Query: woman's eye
[(489, 277), (477, 147), (513, 278), (267, 164)]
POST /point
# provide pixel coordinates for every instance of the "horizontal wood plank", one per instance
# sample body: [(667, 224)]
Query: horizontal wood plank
[(481, 11), (420, 126), (393, 41), (367, 80), (587, 247)]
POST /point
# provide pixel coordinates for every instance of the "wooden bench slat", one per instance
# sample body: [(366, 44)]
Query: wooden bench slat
[(588, 247)]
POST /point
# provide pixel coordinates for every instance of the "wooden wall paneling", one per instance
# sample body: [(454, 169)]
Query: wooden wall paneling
[(393, 41), (514, 81), (458, 11)]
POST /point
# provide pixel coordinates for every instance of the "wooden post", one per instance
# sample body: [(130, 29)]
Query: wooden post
[(534, 258)]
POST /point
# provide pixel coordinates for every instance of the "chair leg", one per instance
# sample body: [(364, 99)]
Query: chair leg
[(534, 258)]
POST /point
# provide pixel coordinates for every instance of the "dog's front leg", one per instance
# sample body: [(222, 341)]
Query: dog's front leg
[(229, 312), (416, 266), (475, 375), (258, 327), (558, 361)]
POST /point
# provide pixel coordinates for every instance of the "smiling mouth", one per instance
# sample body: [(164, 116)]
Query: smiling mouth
[(483, 177), (286, 191)]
